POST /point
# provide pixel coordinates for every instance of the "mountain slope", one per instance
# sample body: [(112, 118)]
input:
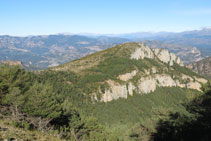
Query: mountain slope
[(117, 94), (202, 67), (130, 68)]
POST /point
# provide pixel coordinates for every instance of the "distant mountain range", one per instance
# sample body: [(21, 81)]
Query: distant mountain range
[(200, 39), (40, 52)]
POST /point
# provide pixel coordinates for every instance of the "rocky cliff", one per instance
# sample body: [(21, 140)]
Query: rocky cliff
[(203, 67), (148, 84), (188, 54)]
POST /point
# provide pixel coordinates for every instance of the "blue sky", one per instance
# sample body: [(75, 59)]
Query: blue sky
[(42, 17)]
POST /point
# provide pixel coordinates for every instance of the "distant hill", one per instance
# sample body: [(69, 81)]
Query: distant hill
[(202, 67)]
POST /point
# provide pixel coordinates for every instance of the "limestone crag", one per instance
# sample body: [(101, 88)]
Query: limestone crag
[(167, 57), (194, 85), (117, 91), (142, 52), (146, 85), (162, 54)]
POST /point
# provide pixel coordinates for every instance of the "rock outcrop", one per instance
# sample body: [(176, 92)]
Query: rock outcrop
[(188, 54), (147, 85), (167, 57), (162, 54), (142, 52), (194, 85), (202, 67), (117, 91)]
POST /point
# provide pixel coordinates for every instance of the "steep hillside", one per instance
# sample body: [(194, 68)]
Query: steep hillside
[(131, 68), (202, 67)]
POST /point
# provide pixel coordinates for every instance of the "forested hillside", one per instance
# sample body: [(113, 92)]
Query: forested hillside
[(91, 98), (46, 101)]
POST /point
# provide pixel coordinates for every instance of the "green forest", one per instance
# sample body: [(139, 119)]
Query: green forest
[(54, 102)]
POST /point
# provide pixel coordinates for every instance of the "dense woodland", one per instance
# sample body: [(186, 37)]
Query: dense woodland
[(44, 101), (51, 101)]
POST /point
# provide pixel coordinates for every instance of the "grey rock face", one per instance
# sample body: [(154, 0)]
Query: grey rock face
[(162, 54)]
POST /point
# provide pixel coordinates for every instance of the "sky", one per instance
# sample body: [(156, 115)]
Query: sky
[(44, 17)]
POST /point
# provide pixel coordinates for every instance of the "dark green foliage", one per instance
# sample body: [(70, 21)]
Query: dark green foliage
[(112, 67), (139, 107), (42, 101), (48, 96), (62, 99), (179, 127), (136, 116), (13, 81)]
